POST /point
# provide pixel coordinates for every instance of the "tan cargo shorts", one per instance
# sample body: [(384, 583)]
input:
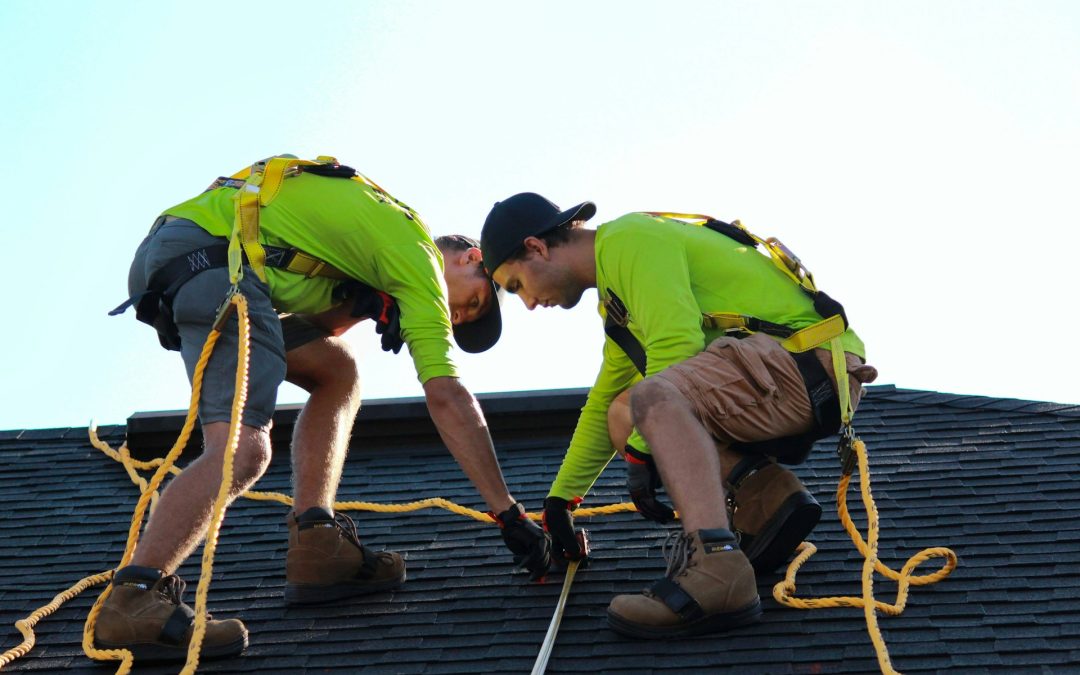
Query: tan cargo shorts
[(750, 389)]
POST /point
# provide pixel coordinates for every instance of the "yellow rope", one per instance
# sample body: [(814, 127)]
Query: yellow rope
[(784, 590), (123, 456), (222, 501), (123, 655), (26, 626)]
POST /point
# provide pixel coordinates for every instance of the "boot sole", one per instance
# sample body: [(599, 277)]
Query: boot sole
[(713, 623), (794, 521), (152, 652), (306, 594)]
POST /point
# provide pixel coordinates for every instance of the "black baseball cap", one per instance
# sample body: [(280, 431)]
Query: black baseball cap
[(480, 335), (526, 214)]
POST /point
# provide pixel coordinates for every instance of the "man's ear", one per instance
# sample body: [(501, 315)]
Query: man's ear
[(536, 245), (473, 256)]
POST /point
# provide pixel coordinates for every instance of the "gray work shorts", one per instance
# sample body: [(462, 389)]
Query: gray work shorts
[(194, 311)]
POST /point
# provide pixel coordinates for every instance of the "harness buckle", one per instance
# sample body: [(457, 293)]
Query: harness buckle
[(846, 450), (315, 269), (226, 309)]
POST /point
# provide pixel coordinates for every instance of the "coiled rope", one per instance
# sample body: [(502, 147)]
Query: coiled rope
[(784, 591)]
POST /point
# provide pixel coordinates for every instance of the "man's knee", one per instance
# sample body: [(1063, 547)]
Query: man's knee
[(326, 363), (650, 393), (251, 459), (252, 455)]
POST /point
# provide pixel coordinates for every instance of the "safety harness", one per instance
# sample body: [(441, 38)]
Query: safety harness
[(255, 186), (827, 405)]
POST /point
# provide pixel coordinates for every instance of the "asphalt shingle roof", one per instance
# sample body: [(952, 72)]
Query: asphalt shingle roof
[(993, 479)]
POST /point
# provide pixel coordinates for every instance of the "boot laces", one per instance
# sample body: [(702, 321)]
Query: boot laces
[(677, 549), (348, 528), (172, 589)]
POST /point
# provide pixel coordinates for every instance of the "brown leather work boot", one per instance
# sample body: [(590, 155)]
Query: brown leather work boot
[(145, 614), (709, 587), (327, 562), (770, 511)]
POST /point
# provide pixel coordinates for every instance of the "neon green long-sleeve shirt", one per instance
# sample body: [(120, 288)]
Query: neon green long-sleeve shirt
[(669, 274), (357, 230)]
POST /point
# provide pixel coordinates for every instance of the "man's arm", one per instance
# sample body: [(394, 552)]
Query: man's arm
[(461, 425)]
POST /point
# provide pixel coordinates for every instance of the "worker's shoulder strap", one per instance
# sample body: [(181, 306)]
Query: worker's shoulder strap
[(615, 321), (781, 256), (261, 183), (834, 319)]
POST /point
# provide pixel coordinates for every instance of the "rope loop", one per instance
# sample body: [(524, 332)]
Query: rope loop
[(784, 591)]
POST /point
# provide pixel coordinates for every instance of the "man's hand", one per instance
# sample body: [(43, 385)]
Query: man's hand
[(559, 523), (529, 544), (368, 302), (642, 480)]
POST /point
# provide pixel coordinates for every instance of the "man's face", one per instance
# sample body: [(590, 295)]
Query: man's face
[(541, 279), (467, 286)]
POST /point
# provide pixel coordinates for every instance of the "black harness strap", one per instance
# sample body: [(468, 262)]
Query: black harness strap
[(154, 305), (177, 625), (615, 327)]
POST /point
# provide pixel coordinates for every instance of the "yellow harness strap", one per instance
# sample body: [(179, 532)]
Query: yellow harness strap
[(843, 392), (310, 267), (800, 341), (787, 262), (262, 182)]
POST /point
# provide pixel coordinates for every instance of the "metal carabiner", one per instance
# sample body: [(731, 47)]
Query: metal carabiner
[(226, 309), (846, 450)]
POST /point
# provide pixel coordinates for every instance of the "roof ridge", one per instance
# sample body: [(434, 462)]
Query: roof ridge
[(927, 398)]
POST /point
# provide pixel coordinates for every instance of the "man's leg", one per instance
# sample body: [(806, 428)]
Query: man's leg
[(769, 510), (183, 511), (736, 391), (144, 611), (684, 454), (326, 561), (326, 368)]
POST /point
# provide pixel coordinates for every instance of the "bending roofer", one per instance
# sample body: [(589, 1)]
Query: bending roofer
[(339, 249), (697, 388)]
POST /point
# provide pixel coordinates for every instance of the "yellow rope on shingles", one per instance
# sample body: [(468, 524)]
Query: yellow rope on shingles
[(26, 626), (121, 455), (784, 590)]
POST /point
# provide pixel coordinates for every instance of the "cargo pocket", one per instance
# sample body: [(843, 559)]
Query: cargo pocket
[(747, 356)]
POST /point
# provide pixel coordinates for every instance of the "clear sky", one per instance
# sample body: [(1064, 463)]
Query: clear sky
[(921, 157)]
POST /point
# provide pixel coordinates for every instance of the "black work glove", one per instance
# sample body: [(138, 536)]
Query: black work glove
[(642, 480), (379, 306), (559, 524), (530, 545)]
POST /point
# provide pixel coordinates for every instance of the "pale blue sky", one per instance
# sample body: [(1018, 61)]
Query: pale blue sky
[(921, 157)]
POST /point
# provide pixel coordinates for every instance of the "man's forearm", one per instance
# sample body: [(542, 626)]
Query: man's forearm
[(461, 425)]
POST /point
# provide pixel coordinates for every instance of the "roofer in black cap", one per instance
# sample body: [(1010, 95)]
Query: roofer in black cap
[(709, 381), (338, 250)]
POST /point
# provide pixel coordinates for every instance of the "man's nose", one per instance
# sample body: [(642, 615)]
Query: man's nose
[(529, 302)]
